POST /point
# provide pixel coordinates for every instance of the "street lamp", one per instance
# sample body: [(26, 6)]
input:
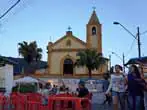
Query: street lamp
[(137, 37), (117, 23)]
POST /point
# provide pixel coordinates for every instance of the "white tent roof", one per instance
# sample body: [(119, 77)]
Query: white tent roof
[(26, 80)]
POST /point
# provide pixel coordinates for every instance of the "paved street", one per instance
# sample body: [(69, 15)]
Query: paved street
[(100, 107), (97, 101)]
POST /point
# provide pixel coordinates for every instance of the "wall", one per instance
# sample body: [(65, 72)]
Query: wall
[(57, 59), (6, 72), (94, 41), (63, 44), (40, 71), (2, 77)]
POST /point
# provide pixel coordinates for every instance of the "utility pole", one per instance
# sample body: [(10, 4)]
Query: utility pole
[(122, 59), (139, 44), (136, 37), (109, 62), (123, 56)]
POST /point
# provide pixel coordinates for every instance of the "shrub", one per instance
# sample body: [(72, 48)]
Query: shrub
[(25, 88)]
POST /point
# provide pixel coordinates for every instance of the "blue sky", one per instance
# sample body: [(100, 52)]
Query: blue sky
[(39, 19)]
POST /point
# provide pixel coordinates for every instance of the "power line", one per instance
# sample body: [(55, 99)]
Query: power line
[(23, 5), (9, 9), (137, 37), (144, 32), (130, 49)]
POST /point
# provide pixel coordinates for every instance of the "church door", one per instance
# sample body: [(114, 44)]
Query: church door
[(68, 67)]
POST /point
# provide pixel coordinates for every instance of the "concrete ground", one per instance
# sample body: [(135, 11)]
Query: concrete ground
[(97, 100), (96, 106)]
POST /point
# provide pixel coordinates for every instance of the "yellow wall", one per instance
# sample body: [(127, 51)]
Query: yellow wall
[(74, 44), (57, 60), (80, 70)]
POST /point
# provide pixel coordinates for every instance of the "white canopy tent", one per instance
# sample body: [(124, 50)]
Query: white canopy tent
[(26, 80)]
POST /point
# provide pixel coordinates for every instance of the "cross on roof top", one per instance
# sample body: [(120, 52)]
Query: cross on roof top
[(69, 28), (50, 38)]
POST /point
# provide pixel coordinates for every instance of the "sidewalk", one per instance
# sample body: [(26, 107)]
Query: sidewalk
[(98, 99), (96, 106)]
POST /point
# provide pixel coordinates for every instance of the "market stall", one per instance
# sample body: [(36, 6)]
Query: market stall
[(26, 81)]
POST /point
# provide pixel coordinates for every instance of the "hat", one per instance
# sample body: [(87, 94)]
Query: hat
[(82, 83)]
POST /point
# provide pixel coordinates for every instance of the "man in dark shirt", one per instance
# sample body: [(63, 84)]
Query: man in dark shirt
[(82, 90)]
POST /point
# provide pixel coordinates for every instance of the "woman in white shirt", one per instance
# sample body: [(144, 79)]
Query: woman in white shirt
[(117, 85)]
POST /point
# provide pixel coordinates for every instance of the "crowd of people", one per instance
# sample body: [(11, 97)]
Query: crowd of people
[(48, 89), (126, 90)]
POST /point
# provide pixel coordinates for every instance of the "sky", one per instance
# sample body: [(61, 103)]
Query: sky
[(48, 20)]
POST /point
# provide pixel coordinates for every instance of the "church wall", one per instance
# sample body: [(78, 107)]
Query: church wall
[(80, 70), (105, 68), (55, 62), (63, 44), (94, 41), (56, 65), (57, 58)]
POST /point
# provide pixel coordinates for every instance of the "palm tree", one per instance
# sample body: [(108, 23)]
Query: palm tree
[(91, 59), (31, 54)]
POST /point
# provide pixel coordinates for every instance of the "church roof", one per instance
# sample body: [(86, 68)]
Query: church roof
[(94, 19), (73, 37)]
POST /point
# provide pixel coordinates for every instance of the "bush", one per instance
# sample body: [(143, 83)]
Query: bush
[(14, 89), (25, 88)]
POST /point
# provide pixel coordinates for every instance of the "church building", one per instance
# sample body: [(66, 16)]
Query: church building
[(62, 53)]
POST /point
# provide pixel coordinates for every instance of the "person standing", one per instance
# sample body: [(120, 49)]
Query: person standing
[(135, 88), (117, 85), (145, 86), (82, 90), (105, 87), (54, 89), (145, 100)]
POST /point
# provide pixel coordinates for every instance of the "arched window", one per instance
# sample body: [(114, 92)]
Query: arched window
[(93, 30)]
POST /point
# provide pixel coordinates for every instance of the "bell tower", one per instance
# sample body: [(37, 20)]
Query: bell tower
[(94, 35)]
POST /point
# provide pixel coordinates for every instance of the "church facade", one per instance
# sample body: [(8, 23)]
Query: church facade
[(62, 53)]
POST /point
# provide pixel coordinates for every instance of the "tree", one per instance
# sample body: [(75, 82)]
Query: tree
[(30, 52), (91, 59)]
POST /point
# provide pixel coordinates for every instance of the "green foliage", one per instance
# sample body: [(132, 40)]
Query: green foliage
[(14, 89), (25, 88), (91, 59), (31, 54), (30, 51)]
